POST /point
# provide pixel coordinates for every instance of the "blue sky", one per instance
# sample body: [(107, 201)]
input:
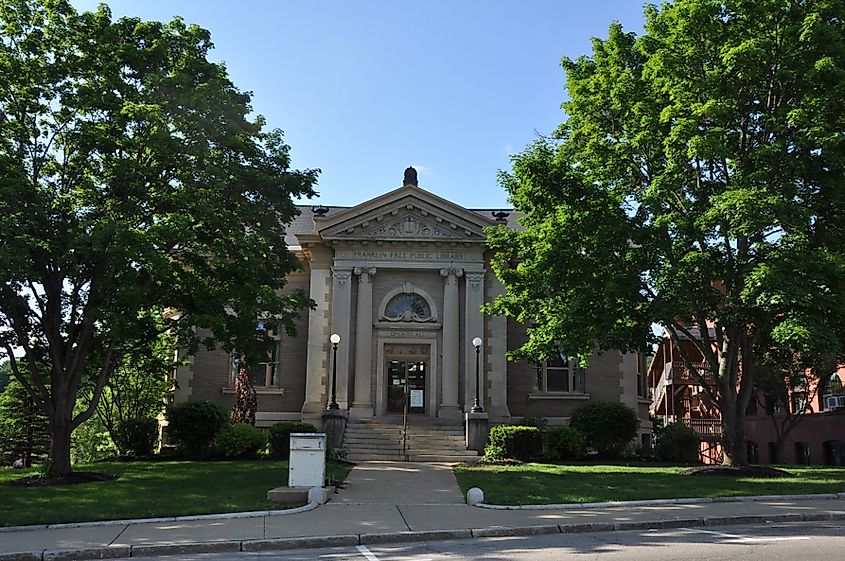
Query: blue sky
[(364, 89)]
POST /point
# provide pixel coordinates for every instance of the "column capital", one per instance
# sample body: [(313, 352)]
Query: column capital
[(364, 273), (474, 280), (451, 275), (341, 276)]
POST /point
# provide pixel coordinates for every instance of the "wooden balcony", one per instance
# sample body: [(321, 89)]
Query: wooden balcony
[(677, 373), (707, 429)]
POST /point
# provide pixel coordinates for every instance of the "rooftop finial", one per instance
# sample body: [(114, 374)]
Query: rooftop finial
[(411, 177)]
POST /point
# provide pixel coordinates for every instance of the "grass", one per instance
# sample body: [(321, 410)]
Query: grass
[(562, 484), (148, 489)]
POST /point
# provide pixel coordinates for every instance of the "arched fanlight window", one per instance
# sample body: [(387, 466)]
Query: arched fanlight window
[(408, 307)]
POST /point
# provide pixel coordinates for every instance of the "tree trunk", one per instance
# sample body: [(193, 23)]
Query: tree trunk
[(734, 452), (60, 445)]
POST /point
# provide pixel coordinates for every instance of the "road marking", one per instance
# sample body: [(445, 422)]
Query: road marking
[(364, 550), (746, 539)]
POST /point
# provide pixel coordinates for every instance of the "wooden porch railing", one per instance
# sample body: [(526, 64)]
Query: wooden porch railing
[(706, 428)]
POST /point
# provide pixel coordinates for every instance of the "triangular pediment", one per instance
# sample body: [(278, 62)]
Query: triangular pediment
[(405, 214)]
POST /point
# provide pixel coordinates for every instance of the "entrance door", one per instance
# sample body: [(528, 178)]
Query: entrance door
[(406, 380)]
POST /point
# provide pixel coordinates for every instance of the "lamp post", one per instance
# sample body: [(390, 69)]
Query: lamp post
[(477, 407), (335, 339)]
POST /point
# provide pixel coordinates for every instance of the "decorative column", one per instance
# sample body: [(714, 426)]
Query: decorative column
[(451, 351), (341, 310), (474, 322), (497, 402), (317, 365), (362, 406)]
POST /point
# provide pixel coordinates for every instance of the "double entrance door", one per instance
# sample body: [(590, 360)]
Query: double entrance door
[(407, 372)]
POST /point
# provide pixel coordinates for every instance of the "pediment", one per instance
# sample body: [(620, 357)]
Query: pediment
[(406, 214)]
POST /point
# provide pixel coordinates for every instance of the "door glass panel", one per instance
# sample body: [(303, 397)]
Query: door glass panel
[(398, 372), (395, 386)]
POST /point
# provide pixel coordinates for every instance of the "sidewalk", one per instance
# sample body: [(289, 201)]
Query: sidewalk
[(387, 502)]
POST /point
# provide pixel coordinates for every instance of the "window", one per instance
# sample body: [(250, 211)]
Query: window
[(799, 402), (559, 374), (268, 372), (408, 307), (751, 409)]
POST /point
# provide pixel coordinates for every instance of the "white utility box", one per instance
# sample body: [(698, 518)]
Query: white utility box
[(307, 466)]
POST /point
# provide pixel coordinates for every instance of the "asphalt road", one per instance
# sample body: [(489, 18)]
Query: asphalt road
[(819, 541)]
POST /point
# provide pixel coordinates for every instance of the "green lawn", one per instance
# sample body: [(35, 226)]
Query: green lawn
[(148, 489), (555, 484)]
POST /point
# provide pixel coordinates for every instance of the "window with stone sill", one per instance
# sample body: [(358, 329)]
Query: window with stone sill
[(268, 372), (559, 375)]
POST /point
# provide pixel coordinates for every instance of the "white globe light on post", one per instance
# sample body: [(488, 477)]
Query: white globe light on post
[(335, 339), (476, 406)]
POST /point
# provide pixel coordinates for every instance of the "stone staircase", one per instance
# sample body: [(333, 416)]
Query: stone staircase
[(428, 441)]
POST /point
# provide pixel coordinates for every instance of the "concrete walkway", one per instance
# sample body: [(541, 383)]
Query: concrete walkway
[(386, 502), (400, 483)]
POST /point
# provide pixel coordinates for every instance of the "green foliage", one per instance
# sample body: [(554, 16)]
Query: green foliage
[(280, 436), (5, 374), (193, 425), (24, 429), (566, 443), (494, 454), (135, 393), (135, 180), (517, 442), (91, 442), (609, 426), (695, 181), (677, 442), (137, 437), (241, 441)]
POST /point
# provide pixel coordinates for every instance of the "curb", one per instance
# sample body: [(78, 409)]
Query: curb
[(352, 540), (220, 516), (663, 502)]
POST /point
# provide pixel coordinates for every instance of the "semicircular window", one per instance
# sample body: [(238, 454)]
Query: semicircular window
[(408, 307)]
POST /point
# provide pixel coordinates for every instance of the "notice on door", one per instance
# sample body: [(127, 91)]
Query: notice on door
[(416, 398)]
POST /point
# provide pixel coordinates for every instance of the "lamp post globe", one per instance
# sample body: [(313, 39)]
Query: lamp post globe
[(335, 339), (476, 406)]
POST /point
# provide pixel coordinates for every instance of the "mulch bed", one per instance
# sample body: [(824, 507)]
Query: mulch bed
[(74, 478), (737, 471)]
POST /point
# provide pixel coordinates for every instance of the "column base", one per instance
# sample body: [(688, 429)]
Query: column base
[(334, 425), (452, 412), (363, 411), (476, 431)]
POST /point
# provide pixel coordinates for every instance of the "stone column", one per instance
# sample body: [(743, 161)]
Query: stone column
[(341, 310), (317, 365), (451, 350), (362, 406), (474, 322), (497, 401)]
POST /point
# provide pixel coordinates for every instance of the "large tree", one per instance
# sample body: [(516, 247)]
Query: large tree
[(698, 180), (137, 194)]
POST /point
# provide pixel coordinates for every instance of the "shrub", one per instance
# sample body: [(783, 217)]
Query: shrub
[(677, 442), (138, 437), (240, 441), (517, 442), (566, 443), (193, 425), (280, 436), (608, 425), (493, 454)]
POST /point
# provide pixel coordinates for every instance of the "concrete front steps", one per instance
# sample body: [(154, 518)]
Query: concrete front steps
[(428, 441)]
